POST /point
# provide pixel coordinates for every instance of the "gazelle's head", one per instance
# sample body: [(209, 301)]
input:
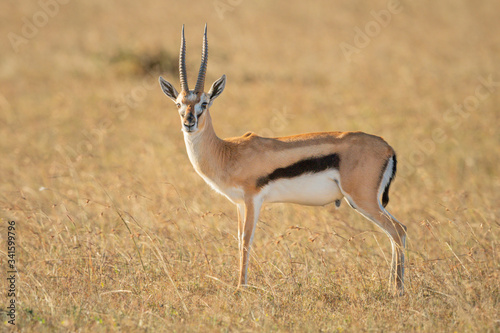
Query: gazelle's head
[(193, 104)]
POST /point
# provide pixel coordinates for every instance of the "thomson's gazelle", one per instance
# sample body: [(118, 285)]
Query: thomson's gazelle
[(309, 169)]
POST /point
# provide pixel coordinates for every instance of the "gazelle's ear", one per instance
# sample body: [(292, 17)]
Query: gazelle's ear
[(168, 89), (217, 88)]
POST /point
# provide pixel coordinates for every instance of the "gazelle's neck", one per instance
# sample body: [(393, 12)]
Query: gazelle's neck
[(206, 151)]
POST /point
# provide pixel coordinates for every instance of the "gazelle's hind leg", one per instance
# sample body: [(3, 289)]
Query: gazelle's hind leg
[(397, 234), (372, 209)]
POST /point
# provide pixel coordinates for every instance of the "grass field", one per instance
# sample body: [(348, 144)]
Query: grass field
[(114, 230)]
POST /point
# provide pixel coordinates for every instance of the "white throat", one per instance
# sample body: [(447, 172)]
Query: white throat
[(193, 142)]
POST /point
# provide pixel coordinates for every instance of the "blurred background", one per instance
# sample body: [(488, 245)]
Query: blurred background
[(94, 167)]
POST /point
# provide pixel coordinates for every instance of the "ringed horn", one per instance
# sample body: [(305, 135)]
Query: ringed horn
[(200, 83)]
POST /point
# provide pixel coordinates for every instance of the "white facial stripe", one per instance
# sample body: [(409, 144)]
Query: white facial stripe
[(179, 99), (199, 109), (182, 109), (199, 106)]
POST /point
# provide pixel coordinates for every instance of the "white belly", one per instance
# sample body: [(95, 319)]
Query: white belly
[(315, 189)]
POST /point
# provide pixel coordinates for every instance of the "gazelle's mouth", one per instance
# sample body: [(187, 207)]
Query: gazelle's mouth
[(189, 129)]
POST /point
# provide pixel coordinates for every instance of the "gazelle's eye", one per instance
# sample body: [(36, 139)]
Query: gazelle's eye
[(204, 105), (178, 105)]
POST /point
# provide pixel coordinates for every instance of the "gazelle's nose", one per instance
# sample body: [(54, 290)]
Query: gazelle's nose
[(190, 120)]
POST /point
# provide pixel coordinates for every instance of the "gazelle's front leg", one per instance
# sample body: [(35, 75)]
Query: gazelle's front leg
[(247, 220), (241, 220)]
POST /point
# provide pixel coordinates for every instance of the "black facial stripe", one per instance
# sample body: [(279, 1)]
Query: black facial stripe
[(310, 165)]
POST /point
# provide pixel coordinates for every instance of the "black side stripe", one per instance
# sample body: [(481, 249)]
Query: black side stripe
[(310, 165)]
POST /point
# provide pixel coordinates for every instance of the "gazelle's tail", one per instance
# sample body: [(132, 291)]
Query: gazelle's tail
[(388, 175)]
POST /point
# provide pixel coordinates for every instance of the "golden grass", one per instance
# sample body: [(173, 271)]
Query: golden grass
[(116, 232)]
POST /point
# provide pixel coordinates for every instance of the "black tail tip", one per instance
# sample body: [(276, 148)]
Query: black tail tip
[(385, 196)]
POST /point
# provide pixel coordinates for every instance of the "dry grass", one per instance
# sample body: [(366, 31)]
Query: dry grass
[(116, 232)]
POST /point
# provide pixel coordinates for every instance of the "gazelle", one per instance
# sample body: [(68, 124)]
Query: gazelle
[(309, 169)]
